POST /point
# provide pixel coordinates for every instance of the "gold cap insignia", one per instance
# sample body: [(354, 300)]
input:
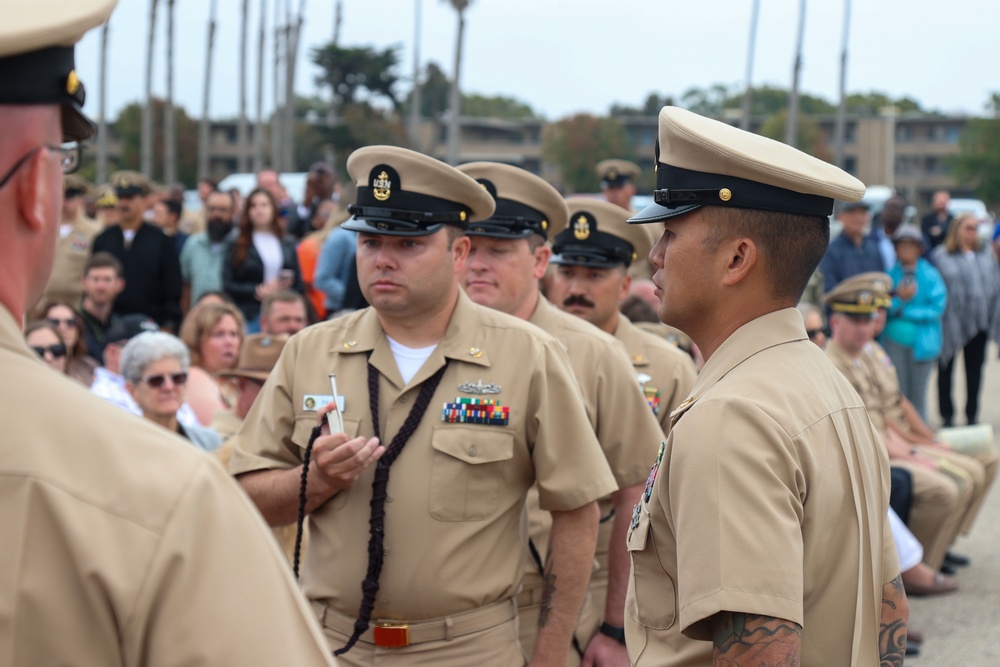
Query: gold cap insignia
[(725, 194), (72, 83), (382, 186), (581, 228), (865, 298), (612, 174)]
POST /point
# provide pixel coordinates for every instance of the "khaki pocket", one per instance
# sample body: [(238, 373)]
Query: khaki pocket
[(652, 596), (467, 472)]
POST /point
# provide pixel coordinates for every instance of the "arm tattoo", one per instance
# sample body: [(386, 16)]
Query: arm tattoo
[(548, 590), (892, 630), (751, 639)]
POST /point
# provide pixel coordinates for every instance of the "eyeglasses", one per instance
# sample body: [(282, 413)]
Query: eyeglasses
[(68, 322), (58, 350), (71, 153), (157, 381)]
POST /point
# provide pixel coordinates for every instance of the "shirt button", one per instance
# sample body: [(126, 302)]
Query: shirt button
[(473, 452), (402, 399), (388, 498)]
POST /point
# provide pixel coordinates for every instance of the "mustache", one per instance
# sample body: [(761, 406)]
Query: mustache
[(575, 300)]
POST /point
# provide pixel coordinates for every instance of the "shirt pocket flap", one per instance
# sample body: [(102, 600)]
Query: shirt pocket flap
[(474, 445)]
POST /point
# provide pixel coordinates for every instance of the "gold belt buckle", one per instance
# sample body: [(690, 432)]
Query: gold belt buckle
[(389, 635)]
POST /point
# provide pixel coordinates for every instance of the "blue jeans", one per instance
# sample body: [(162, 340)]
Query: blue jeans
[(913, 375)]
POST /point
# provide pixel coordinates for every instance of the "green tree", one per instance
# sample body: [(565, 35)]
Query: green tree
[(353, 71), (495, 106), (978, 160), (711, 101), (575, 144), (128, 128), (809, 138), (650, 107)]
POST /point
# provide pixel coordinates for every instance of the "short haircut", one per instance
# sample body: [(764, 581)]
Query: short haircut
[(209, 181), (150, 347), (281, 296), (199, 324), (104, 260), (638, 309), (790, 244), (174, 207), (228, 195)]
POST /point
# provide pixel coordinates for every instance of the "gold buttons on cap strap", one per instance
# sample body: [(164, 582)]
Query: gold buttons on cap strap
[(725, 194), (72, 83)]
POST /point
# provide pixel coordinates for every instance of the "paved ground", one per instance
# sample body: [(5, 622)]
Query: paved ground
[(961, 629)]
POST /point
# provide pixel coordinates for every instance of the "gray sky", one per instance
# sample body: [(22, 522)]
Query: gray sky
[(563, 56)]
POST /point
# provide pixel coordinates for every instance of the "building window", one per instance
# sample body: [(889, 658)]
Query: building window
[(904, 134), (851, 165)]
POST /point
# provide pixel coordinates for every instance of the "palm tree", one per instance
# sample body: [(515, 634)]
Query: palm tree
[(146, 148), (102, 122), (169, 131), (258, 135), (415, 96), (791, 128), (838, 132), (203, 125), (241, 132), (454, 98), (751, 46)]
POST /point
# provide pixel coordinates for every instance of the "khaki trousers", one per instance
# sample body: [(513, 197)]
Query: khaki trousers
[(497, 645), (939, 505)]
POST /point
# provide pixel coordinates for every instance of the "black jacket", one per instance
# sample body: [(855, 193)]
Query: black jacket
[(152, 273), (241, 283)]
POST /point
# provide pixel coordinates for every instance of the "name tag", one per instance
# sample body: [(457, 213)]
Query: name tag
[(313, 402)]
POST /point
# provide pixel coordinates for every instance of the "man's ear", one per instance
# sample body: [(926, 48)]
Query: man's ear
[(542, 255), (35, 190), (742, 257)]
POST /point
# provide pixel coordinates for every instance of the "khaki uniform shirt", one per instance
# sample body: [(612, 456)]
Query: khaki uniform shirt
[(72, 253), (887, 382), (858, 373), (628, 433), (123, 545), (664, 372), (771, 498), (454, 530)]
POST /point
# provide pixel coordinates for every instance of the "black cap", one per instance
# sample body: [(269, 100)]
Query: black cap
[(128, 327)]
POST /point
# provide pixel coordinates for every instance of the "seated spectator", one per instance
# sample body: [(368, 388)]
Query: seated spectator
[(109, 383), (46, 342), (155, 367), (913, 332), (260, 260), (79, 365), (283, 312), (213, 334), (812, 317), (947, 486), (102, 283)]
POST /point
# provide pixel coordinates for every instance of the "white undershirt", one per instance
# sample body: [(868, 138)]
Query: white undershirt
[(409, 359), (129, 235), (269, 248)]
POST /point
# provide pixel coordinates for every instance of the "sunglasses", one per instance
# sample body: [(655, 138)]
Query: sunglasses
[(68, 322), (812, 333), (58, 350), (157, 381)]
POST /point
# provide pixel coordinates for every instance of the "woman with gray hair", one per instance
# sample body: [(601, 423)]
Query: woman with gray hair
[(155, 366)]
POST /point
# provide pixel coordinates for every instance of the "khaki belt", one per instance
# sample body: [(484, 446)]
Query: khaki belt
[(397, 634), (530, 597)]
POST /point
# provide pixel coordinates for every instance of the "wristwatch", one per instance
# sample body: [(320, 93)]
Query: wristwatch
[(615, 632)]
